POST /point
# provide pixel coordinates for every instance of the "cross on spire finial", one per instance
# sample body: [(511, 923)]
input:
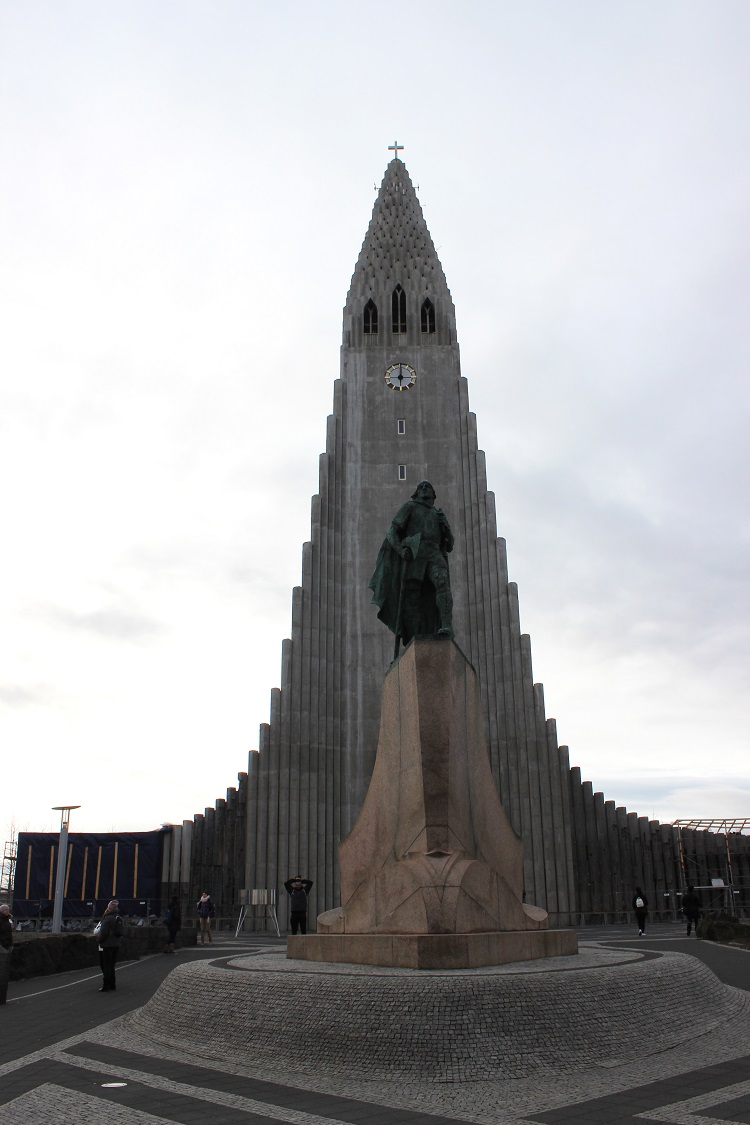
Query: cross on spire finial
[(394, 148)]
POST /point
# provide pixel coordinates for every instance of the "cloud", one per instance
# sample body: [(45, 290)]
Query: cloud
[(26, 695), (111, 623), (177, 261), (659, 794)]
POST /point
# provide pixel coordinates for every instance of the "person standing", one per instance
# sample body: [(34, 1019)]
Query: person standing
[(6, 949), (691, 908), (298, 889), (111, 929), (640, 906), (206, 911), (6, 927), (173, 922)]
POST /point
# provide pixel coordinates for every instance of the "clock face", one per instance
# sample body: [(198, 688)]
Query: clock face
[(399, 376)]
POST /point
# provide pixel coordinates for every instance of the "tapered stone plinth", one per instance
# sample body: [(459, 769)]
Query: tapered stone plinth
[(432, 872), (434, 951)]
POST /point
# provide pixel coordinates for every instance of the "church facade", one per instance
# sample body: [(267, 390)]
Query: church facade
[(400, 415)]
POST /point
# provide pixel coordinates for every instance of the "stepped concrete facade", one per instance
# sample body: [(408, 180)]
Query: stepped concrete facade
[(307, 784), (400, 415)]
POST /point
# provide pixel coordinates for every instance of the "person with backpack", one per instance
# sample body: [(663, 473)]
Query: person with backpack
[(111, 928), (640, 906), (173, 922), (206, 911), (691, 908), (298, 889)]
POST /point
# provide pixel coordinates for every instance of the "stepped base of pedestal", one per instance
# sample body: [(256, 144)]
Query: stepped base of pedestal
[(433, 951)]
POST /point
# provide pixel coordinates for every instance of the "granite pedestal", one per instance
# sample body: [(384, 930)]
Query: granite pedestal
[(433, 951), (432, 872)]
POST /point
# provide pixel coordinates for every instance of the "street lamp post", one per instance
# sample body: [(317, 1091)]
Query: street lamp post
[(62, 863)]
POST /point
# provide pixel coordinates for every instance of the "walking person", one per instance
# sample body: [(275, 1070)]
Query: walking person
[(206, 911), (298, 889), (111, 928), (640, 906), (173, 922), (691, 908)]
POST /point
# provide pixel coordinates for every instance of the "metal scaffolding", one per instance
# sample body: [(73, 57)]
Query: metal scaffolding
[(733, 885), (10, 852)]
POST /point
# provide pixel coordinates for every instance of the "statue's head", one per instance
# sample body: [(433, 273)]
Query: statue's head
[(424, 490)]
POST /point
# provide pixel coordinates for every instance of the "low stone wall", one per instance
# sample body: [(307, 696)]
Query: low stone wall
[(715, 926), (38, 955)]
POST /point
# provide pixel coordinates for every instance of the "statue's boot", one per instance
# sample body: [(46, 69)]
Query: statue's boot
[(444, 601)]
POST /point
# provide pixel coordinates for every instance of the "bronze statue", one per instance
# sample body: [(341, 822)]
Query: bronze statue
[(411, 584)]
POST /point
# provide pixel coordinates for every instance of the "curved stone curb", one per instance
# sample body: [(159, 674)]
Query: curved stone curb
[(438, 1026)]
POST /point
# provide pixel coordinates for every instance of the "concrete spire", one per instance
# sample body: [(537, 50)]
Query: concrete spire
[(398, 247)]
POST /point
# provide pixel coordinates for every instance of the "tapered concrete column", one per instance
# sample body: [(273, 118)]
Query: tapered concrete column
[(583, 875), (657, 859), (613, 849), (570, 859), (592, 849), (626, 858), (602, 848)]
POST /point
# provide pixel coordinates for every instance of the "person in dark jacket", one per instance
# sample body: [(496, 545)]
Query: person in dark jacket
[(6, 949), (173, 922), (298, 889), (640, 906), (691, 908), (111, 929), (6, 927), (206, 911)]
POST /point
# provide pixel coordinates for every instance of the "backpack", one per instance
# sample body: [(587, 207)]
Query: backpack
[(639, 903), (118, 928)]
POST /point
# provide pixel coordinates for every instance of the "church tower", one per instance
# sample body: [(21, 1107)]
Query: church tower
[(400, 415)]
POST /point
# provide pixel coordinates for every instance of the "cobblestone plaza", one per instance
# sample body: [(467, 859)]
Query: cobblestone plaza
[(685, 1059)]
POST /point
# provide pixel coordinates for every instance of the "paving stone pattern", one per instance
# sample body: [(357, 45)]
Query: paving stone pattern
[(50, 1103), (475, 1025), (69, 1066)]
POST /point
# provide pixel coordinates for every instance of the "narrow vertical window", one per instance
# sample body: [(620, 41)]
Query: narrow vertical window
[(398, 309), (428, 316), (402, 472), (401, 426), (371, 318)]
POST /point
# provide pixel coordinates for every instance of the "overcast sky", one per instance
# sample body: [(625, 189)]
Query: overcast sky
[(186, 188)]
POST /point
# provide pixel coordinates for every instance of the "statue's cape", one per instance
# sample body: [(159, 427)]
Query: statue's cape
[(386, 585)]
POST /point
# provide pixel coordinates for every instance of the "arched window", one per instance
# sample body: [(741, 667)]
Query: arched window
[(428, 316), (371, 318), (398, 309)]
